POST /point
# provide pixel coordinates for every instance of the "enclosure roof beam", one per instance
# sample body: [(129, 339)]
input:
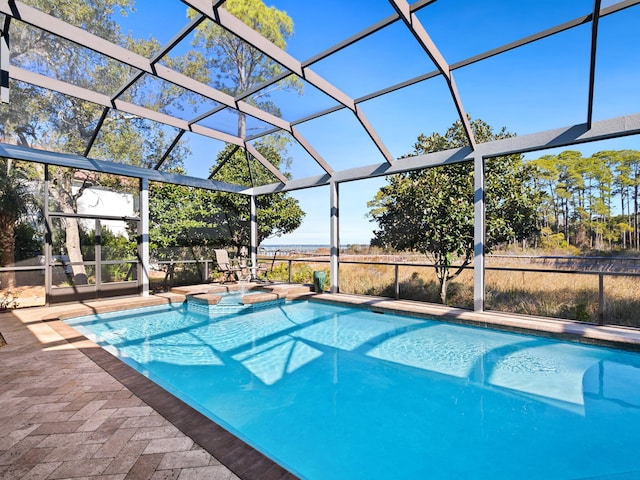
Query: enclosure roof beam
[(562, 137), (266, 163), (168, 151), (310, 150), (476, 58), (79, 36), (104, 100), (592, 60), (83, 163), (556, 138), (264, 45), (223, 161), (364, 33), (415, 27), (163, 51), (96, 131)]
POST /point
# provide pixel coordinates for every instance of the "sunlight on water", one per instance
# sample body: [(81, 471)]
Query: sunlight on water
[(388, 396)]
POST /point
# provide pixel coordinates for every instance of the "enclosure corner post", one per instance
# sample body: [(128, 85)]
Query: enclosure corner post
[(335, 237), (253, 236), (143, 238), (478, 234)]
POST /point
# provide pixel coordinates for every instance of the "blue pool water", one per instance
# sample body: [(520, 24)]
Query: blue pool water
[(332, 392)]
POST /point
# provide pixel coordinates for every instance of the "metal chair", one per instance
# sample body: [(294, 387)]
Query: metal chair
[(223, 265)]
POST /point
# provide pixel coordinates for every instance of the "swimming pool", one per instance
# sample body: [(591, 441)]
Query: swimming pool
[(335, 392)]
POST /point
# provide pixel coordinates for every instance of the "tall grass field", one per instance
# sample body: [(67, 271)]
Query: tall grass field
[(555, 294)]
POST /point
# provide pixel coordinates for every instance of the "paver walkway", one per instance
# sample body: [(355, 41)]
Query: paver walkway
[(63, 416)]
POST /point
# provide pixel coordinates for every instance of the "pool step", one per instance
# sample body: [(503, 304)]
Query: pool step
[(261, 298), (204, 298), (290, 291)]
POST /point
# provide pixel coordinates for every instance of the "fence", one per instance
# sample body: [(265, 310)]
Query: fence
[(608, 307), (629, 315)]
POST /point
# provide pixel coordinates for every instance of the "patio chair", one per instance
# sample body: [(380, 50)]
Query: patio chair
[(223, 265)]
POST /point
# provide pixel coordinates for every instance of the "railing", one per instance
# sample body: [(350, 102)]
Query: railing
[(601, 300), (208, 266), (568, 259), (169, 267)]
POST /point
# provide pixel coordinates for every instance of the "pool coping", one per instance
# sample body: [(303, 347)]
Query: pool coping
[(625, 338)]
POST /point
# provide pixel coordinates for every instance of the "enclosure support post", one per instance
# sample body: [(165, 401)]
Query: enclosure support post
[(48, 271), (4, 61), (478, 234), (396, 282), (254, 236), (601, 305), (143, 236), (335, 237)]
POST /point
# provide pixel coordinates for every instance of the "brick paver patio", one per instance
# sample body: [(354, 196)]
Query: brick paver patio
[(62, 415)]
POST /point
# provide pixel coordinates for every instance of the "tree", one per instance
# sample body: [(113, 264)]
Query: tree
[(190, 217), (61, 123), (627, 181), (236, 67), (57, 122), (181, 217), (277, 214), (431, 210), (14, 200), (581, 190)]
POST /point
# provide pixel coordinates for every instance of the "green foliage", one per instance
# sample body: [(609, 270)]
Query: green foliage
[(234, 66), (62, 123), (280, 272), (579, 193), (179, 216), (551, 241), (432, 210), (113, 247), (582, 313), (302, 273), (183, 217), (278, 213), (15, 200), (28, 241)]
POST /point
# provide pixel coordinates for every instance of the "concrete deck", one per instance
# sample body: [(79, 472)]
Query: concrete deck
[(69, 409)]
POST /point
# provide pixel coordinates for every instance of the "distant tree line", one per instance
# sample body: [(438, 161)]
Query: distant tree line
[(590, 202)]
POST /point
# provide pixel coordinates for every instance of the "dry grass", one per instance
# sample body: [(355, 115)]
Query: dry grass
[(415, 283), (557, 295), (562, 295)]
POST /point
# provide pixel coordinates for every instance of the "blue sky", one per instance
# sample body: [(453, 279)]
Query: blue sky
[(535, 87)]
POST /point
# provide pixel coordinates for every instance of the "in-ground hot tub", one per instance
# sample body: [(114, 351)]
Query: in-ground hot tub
[(213, 302)]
